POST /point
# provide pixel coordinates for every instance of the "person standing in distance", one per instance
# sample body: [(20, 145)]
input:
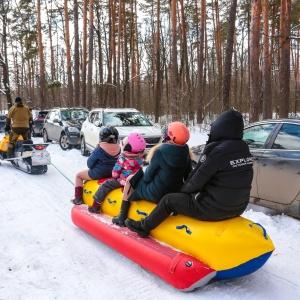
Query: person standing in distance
[(18, 123)]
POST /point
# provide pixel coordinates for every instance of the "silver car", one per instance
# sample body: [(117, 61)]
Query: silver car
[(126, 120)]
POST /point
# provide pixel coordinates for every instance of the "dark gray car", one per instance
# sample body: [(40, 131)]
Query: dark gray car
[(63, 125), (275, 145)]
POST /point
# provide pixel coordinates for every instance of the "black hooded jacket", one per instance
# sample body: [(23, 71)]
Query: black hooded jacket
[(221, 181)]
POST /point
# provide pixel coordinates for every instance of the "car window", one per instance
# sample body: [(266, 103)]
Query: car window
[(94, 117), (288, 137), (91, 117), (125, 119), (74, 114), (50, 116), (42, 114), (256, 136), (56, 115)]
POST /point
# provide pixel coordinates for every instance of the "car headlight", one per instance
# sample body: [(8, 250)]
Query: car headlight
[(73, 130)]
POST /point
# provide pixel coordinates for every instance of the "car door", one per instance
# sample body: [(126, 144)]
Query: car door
[(95, 129), (257, 137), (87, 127), (56, 125), (279, 174), (49, 124)]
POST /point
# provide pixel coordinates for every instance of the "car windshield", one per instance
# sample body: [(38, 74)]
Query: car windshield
[(42, 114), (125, 119), (74, 114)]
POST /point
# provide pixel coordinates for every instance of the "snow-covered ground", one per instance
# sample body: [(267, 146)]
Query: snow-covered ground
[(44, 256)]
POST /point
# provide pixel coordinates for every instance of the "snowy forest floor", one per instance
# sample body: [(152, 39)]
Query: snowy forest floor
[(44, 256)]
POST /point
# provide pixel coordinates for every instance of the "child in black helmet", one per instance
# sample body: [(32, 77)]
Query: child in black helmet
[(129, 162), (101, 161)]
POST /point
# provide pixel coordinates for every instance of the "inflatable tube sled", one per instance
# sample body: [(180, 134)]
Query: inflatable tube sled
[(185, 252)]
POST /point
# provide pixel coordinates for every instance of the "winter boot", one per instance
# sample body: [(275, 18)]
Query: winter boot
[(138, 227), (78, 196), (95, 208), (120, 219)]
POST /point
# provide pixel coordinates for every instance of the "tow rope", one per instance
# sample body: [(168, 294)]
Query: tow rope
[(61, 173)]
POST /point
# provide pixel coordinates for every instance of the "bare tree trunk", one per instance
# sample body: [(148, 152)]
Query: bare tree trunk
[(42, 78), (266, 67), (68, 52), (84, 54), (76, 56), (4, 60), (5, 80), (158, 66), (90, 63), (284, 66), (200, 59), (228, 55), (218, 48), (255, 87), (118, 49), (133, 78), (100, 56), (187, 86), (52, 62), (173, 61)]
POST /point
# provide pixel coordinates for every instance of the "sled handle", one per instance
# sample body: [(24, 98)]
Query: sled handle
[(262, 228), (183, 226)]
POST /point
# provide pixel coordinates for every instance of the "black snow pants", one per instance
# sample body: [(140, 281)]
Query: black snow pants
[(176, 203), (105, 188), (183, 204)]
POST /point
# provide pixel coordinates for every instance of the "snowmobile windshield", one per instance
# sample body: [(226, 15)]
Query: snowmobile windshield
[(118, 119), (74, 114)]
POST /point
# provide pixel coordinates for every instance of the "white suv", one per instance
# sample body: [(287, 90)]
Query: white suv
[(126, 120)]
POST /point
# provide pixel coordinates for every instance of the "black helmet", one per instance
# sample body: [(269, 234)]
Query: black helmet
[(109, 134), (18, 100)]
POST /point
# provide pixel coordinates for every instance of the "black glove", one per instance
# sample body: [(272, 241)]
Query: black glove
[(7, 128)]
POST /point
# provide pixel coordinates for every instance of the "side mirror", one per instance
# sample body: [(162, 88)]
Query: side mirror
[(55, 121), (97, 123)]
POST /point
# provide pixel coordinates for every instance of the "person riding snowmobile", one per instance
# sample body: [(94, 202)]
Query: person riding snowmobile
[(18, 122)]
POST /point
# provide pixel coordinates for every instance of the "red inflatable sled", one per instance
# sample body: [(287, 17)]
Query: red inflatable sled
[(182, 271)]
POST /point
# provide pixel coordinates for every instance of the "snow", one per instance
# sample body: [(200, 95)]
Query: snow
[(44, 256)]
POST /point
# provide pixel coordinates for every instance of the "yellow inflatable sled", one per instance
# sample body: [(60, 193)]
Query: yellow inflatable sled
[(230, 248)]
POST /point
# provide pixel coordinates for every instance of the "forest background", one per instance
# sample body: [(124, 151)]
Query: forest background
[(185, 59)]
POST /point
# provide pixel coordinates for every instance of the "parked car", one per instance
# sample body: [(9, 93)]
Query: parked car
[(2, 122), (63, 125), (275, 145), (38, 122), (126, 120)]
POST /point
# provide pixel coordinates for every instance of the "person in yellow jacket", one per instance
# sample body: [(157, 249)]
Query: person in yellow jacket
[(18, 121)]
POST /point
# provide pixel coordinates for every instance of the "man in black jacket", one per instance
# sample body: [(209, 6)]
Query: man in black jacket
[(219, 186)]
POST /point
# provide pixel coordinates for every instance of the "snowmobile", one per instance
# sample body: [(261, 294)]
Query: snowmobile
[(28, 157)]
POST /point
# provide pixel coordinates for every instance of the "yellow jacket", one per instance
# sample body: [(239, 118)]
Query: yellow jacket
[(19, 115)]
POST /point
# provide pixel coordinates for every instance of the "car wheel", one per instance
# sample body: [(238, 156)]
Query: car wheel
[(83, 150), (45, 136), (63, 142)]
